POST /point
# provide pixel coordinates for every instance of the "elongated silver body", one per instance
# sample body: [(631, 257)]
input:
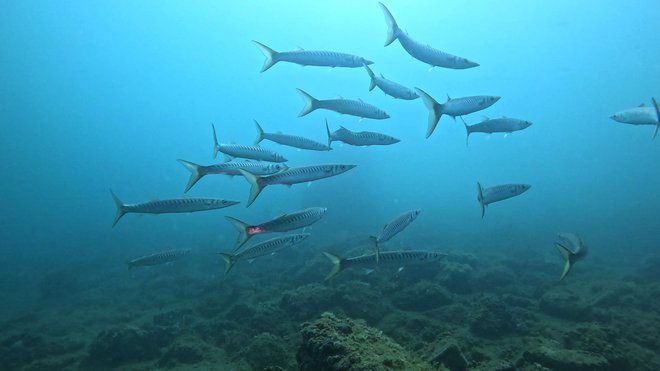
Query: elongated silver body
[(420, 51), (487, 196), (453, 107), (290, 140), (287, 222), (500, 125), (641, 115), (263, 248), (310, 58), (243, 151), (177, 205), (344, 106), (229, 168), (386, 259), (390, 87), (292, 176), (158, 258), (361, 138), (397, 225)]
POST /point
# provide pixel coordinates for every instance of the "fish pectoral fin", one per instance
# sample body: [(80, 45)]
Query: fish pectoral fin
[(368, 270)]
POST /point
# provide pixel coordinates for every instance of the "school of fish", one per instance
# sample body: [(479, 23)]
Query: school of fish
[(262, 167)]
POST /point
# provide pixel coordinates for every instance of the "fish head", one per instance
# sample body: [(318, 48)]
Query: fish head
[(341, 168), (280, 158), (277, 167), (415, 213), (618, 116), (382, 113), (523, 187), (300, 237), (524, 124), (363, 61), (492, 99), (226, 203)]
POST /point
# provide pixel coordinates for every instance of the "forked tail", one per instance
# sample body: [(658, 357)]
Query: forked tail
[(242, 227), (338, 264), (392, 27), (256, 186), (310, 103), (260, 133), (121, 208), (270, 54), (480, 197), (434, 108), (196, 173), (372, 82), (229, 259), (566, 254), (657, 117), (216, 145)]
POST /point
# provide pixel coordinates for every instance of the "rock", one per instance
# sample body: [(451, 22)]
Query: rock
[(266, 351), (333, 343), (451, 357), (307, 301), (20, 350), (421, 296), (558, 359), (173, 318), (566, 305), (457, 277), (118, 346), (356, 299), (494, 319), (180, 355)]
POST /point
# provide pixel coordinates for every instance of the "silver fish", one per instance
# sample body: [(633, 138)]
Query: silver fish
[(287, 222), (388, 258), (291, 176), (489, 195), (178, 205), (229, 168), (389, 87), (392, 228), (243, 151), (572, 249), (263, 248), (453, 107), (158, 258), (344, 106), (310, 58), (502, 125), (641, 115), (290, 140), (361, 138), (422, 52)]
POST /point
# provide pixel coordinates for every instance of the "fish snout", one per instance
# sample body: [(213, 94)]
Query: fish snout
[(367, 62)]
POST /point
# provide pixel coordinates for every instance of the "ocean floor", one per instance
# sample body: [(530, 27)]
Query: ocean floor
[(476, 312)]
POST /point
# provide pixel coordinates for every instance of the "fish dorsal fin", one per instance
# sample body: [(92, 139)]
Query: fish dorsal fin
[(382, 76), (300, 48), (642, 105), (279, 132), (360, 100), (448, 97), (485, 118)]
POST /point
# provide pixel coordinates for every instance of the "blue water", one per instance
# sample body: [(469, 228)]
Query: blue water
[(100, 96)]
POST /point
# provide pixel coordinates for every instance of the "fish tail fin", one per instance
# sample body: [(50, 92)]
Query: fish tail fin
[(468, 131), (372, 83), (392, 27), (229, 259), (260, 133), (242, 227), (129, 265), (566, 254), (480, 197), (256, 186), (374, 239), (338, 264), (435, 111), (196, 173), (270, 54), (216, 146), (121, 208), (657, 116), (310, 103), (327, 130)]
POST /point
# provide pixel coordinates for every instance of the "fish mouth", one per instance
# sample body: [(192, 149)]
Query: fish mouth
[(368, 62), (231, 202)]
